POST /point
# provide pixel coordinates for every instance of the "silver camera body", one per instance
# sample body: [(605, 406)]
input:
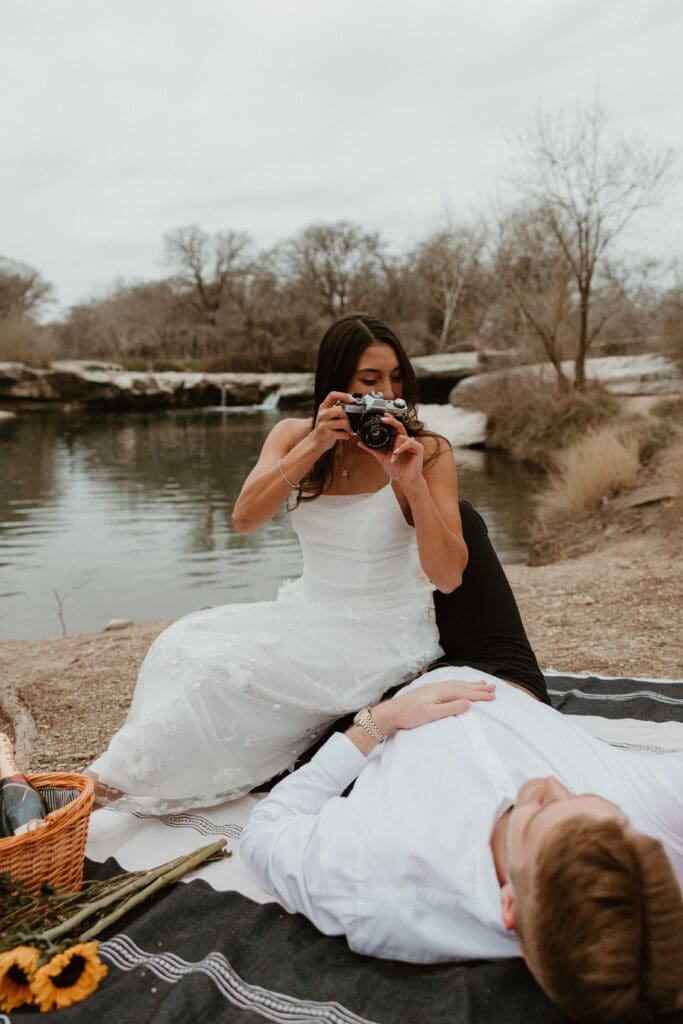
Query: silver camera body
[(365, 416)]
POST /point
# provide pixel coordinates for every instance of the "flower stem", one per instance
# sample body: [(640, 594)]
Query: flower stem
[(205, 853), (170, 871)]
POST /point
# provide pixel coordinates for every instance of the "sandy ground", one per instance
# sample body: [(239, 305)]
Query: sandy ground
[(614, 611)]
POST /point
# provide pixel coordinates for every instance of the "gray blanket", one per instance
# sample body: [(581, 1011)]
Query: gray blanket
[(195, 954)]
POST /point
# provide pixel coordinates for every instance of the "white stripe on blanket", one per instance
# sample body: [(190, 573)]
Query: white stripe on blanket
[(274, 1006), (549, 672)]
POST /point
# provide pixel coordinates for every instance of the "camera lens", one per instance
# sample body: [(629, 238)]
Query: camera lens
[(374, 433)]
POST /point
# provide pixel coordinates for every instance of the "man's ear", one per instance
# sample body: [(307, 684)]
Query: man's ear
[(507, 906)]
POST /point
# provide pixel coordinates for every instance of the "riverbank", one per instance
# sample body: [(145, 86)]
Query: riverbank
[(615, 611)]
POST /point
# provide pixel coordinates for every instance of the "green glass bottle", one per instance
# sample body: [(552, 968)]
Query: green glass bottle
[(21, 806)]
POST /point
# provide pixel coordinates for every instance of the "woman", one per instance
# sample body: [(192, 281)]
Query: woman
[(229, 697)]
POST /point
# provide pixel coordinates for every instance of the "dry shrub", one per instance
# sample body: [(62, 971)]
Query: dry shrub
[(602, 463), (531, 417), (672, 465), (22, 341), (669, 409), (655, 435), (658, 430)]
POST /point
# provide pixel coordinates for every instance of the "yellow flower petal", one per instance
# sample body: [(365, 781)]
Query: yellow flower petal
[(17, 967), (68, 977)]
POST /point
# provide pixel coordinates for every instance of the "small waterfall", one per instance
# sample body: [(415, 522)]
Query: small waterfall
[(269, 404), (271, 400)]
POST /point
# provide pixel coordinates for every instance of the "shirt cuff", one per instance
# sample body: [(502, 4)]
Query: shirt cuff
[(341, 759)]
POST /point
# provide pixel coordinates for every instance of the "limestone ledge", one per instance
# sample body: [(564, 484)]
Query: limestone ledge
[(108, 386), (445, 378), (649, 374), (99, 385)]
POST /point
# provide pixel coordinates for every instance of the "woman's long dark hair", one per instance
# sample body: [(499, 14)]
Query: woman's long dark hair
[(340, 349)]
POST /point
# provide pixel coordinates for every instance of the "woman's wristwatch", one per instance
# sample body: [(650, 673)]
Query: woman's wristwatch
[(368, 724)]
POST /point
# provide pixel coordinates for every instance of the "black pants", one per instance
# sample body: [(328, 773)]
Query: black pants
[(479, 623)]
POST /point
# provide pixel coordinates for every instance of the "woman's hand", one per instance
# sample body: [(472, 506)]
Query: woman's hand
[(403, 460), (429, 703), (431, 491), (331, 423), (421, 706)]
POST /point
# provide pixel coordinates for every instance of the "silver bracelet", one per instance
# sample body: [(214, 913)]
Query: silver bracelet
[(285, 477)]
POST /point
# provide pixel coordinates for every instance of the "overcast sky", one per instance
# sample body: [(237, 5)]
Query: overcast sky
[(123, 120)]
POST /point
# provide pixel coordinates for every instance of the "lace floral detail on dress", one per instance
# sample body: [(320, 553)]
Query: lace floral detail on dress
[(230, 696)]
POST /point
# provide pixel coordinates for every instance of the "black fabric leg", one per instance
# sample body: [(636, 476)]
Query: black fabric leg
[(479, 623)]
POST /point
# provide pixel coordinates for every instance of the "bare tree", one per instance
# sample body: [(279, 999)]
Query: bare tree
[(449, 261), (670, 312), (588, 183), (24, 292), (129, 322), (536, 274), (335, 262), (208, 267)]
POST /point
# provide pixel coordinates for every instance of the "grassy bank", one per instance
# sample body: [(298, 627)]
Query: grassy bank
[(605, 459)]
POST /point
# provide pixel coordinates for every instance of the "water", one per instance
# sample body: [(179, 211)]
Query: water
[(128, 516)]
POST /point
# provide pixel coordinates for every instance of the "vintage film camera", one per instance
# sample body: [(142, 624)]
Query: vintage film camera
[(365, 416)]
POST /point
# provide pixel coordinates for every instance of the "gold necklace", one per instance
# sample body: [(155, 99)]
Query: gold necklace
[(347, 472)]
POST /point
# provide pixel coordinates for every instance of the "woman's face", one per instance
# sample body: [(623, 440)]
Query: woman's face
[(378, 369)]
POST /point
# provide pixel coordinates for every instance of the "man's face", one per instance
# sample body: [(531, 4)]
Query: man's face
[(542, 805)]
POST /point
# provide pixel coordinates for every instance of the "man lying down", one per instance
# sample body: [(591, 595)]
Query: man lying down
[(483, 824)]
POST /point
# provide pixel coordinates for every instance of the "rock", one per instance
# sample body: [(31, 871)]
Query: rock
[(114, 624), (447, 377), (489, 358), (446, 364), (461, 427), (439, 374), (296, 391), (11, 373), (652, 373), (85, 366), (645, 496), (95, 385)]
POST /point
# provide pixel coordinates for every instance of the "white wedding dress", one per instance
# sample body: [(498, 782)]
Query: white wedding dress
[(230, 696)]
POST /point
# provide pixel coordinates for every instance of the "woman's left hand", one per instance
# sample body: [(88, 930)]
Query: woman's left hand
[(430, 702), (402, 462)]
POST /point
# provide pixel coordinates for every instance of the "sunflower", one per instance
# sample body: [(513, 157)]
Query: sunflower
[(68, 977), (17, 967)]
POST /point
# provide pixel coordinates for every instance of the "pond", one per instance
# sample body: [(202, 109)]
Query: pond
[(127, 515)]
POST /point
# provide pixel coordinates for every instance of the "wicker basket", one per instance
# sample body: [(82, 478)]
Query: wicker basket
[(53, 854)]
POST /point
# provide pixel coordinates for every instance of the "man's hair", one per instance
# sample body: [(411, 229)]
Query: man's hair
[(601, 921)]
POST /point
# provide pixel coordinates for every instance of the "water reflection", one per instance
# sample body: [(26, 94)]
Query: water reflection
[(503, 492), (133, 512)]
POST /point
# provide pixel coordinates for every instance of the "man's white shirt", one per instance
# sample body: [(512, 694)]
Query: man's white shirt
[(402, 865)]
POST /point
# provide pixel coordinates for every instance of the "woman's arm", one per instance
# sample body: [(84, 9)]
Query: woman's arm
[(431, 493), (265, 489), (297, 447), (433, 501)]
